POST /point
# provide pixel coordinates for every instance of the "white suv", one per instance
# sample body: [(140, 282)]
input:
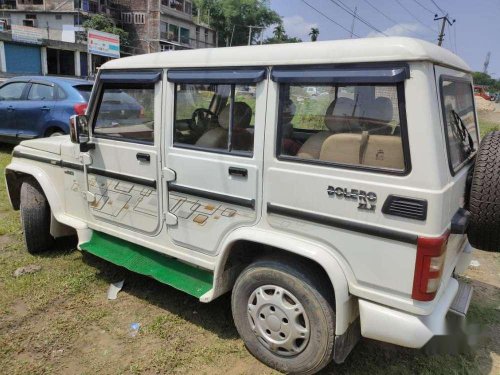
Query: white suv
[(330, 217)]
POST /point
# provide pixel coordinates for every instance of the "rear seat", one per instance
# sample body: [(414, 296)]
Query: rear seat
[(385, 151)]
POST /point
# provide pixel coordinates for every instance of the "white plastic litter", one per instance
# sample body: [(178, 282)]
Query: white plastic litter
[(474, 264), (114, 288)]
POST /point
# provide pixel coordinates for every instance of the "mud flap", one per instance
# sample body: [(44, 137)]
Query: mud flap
[(346, 342)]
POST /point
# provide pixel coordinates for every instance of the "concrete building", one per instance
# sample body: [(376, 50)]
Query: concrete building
[(45, 36)]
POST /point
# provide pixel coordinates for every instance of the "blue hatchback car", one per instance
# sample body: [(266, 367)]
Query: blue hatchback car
[(40, 106)]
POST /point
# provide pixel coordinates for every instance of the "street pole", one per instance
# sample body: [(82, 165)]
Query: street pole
[(444, 19), (249, 35), (353, 19)]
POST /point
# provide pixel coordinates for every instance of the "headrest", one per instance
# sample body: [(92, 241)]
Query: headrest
[(380, 110), (242, 115), (340, 116)]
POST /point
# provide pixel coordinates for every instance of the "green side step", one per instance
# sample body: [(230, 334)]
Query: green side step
[(136, 258)]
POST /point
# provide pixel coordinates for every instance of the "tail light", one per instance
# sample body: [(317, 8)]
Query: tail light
[(431, 252), (80, 108)]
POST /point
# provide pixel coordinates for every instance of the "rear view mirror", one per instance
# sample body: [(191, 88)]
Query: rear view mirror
[(79, 129)]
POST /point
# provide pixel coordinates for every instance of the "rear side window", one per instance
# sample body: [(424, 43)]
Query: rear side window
[(351, 125), (12, 91), (41, 92), (126, 112), (460, 121), (84, 91), (215, 117)]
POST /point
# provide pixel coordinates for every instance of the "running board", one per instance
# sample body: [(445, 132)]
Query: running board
[(460, 304), (192, 280)]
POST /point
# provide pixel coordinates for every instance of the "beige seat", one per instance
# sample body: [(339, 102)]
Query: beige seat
[(242, 139), (339, 118), (378, 115), (384, 151), (342, 148)]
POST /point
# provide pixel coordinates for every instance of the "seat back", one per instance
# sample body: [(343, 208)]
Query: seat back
[(384, 151), (342, 148)]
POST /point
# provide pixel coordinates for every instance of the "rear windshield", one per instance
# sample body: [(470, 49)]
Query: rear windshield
[(460, 121), (84, 91)]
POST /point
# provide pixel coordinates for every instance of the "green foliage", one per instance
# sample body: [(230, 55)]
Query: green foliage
[(485, 79), (104, 23), (280, 36), (314, 34), (231, 17)]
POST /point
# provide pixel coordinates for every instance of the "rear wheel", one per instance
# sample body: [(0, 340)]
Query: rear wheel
[(284, 316), (484, 198), (35, 217)]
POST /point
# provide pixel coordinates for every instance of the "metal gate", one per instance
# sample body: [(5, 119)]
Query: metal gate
[(23, 58)]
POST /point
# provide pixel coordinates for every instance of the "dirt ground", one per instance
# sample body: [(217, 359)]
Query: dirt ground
[(58, 320)]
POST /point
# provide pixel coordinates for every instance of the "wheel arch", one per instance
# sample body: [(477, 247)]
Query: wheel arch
[(257, 243)]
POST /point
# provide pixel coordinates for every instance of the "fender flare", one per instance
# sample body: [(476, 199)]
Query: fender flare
[(346, 307), (56, 124), (53, 197)]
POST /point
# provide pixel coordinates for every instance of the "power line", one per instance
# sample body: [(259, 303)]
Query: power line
[(328, 18), (439, 8), (392, 19), (446, 20), (345, 8), (411, 14), (424, 7)]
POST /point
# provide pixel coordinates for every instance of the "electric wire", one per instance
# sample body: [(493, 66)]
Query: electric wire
[(411, 14), (424, 7), (439, 8), (345, 8), (330, 19)]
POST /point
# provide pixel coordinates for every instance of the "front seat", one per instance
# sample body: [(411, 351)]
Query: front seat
[(217, 137), (340, 117), (378, 116)]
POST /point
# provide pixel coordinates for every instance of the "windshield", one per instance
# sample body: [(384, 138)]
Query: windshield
[(460, 121)]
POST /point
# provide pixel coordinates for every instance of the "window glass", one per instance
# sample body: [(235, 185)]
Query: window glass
[(203, 116), (184, 35), (12, 91), (460, 121), (41, 92), (126, 112), (341, 124), (84, 91), (173, 32)]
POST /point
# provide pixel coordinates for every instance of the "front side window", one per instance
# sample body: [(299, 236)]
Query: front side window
[(357, 125), (215, 117), (126, 112), (460, 121), (12, 91)]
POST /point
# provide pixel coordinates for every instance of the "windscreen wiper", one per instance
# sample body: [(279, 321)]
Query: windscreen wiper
[(462, 131)]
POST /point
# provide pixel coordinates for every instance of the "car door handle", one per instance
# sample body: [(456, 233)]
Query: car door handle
[(240, 172), (145, 158), (45, 108)]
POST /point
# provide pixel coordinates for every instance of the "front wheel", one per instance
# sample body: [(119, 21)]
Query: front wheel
[(284, 316), (35, 217)]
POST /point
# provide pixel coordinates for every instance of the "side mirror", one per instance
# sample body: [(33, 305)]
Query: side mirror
[(79, 129)]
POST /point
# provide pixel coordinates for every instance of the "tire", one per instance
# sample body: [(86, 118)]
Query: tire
[(484, 199), (35, 217), (299, 290), (56, 134)]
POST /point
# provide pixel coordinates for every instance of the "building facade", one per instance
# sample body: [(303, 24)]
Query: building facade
[(46, 37)]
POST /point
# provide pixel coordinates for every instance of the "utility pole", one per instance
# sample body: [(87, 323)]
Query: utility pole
[(250, 33), (444, 19), (353, 19)]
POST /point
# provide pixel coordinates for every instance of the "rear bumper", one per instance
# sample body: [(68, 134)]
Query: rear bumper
[(401, 328)]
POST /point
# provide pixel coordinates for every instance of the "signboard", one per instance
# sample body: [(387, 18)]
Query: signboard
[(104, 44), (27, 34)]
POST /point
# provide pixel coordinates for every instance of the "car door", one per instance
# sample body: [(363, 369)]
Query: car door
[(36, 110), (215, 150), (123, 172), (10, 96)]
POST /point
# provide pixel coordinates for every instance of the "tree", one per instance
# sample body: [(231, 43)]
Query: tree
[(104, 23), (231, 18), (485, 79), (314, 34), (279, 32), (280, 36)]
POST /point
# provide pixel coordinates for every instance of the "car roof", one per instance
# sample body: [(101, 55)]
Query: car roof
[(52, 79), (386, 49)]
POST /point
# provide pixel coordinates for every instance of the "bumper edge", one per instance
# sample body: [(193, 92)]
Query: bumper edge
[(401, 328)]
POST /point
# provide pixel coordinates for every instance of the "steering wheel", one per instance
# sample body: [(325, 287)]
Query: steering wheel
[(200, 119)]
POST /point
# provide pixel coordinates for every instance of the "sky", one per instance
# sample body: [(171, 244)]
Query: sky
[(475, 32)]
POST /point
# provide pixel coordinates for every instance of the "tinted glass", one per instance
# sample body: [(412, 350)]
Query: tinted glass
[(354, 125), (126, 112), (218, 117), (84, 91), (41, 92), (460, 121), (12, 91)]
